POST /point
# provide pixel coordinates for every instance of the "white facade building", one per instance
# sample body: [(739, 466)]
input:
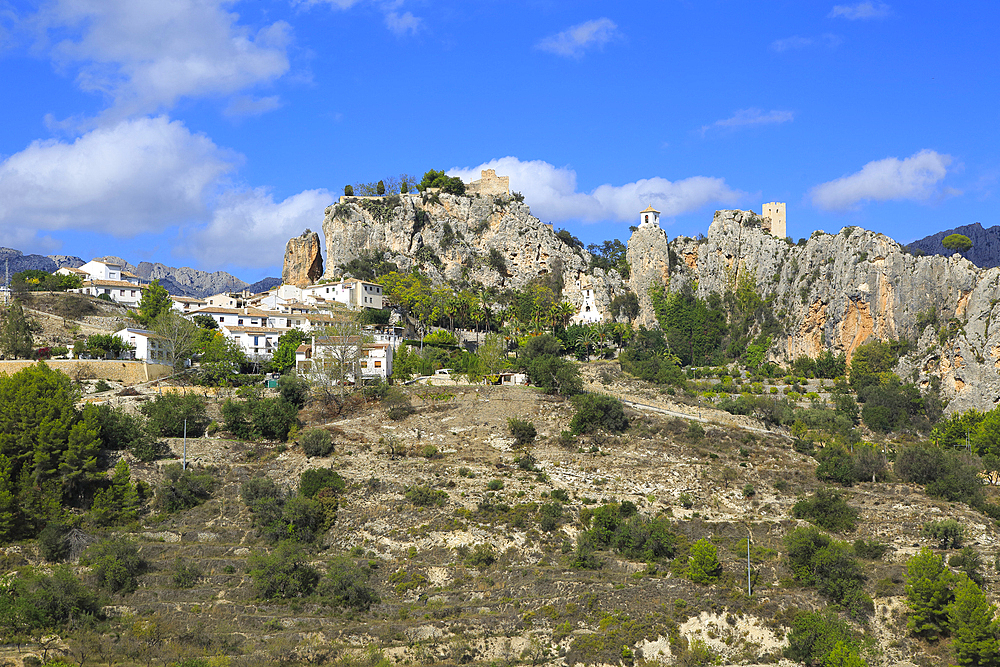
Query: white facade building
[(323, 353), (589, 313), (354, 293), (148, 346), (107, 278)]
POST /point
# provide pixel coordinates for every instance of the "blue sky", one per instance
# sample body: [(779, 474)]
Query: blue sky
[(206, 133)]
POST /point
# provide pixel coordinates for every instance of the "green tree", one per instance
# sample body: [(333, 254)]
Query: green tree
[(928, 594), (284, 357), (283, 573), (78, 463), (957, 242), (380, 188), (703, 566), (973, 626), (119, 503), (177, 335), (8, 499), (15, 333), (348, 190), (167, 413), (844, 655), (438, 179), (155, 300), (116, 564)]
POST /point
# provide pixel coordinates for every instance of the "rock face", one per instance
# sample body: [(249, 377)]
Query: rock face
[(985, 251), (493, 240), (648, 258), (70, 261), (14, 261), (303, 260), (839, 290)]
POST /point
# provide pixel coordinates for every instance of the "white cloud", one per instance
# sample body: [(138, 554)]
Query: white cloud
[(244, 105), (750, 117), (552, 192), (576, 39), (135, 177), (147, 54), (861, 10), (400, 24), (915, 178), (795, 42), (250, 229)]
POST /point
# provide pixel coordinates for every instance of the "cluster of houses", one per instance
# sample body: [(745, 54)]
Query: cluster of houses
[(256, 321)]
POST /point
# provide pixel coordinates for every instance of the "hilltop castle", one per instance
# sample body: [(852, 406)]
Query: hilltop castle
[(774, 218), (489, 184)]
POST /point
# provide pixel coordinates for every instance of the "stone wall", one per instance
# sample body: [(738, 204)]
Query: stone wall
[(489, 184), (127, 372)]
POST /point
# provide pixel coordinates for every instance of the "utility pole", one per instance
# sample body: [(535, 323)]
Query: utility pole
[(185, 465)]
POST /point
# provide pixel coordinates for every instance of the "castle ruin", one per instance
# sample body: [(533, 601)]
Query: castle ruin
[(489, 184), (773, 214)]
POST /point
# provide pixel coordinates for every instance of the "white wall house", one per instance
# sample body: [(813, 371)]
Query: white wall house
[(589, 314), (148, 346), (351, 292), (187, 304), (375, 361), (256, 342), (110, 279)]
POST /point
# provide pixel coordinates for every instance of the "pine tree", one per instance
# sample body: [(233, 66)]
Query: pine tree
[(79, 460), (973, 627), (15, 336), (928, 593), (8, 499), (119, 503), (155, 300), (844, 655)]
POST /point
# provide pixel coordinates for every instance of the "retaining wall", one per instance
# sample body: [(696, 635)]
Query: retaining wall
[(127, 372)]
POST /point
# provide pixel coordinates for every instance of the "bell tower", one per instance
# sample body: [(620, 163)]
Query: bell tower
[(649, 217)]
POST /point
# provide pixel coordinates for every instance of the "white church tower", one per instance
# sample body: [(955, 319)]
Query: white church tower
[(649, 217)]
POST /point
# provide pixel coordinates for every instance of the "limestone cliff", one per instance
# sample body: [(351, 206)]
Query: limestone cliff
[(303, 260), (838, 290), (452, 238)]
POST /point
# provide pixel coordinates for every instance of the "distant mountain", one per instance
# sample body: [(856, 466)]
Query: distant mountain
[(14, 261), (185, 281), (263, 285), (67, 260), (985, 250)]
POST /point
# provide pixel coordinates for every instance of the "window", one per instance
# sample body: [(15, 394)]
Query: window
[(121, 292), (239, 323), (221, 319), (364, 364), (256, 340), (133, 294), (378, 364)]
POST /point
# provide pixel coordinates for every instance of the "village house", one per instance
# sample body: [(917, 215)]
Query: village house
[(107, 278), (148, 346), (258, 343), (329, 359), (187, 304), (355, 294)]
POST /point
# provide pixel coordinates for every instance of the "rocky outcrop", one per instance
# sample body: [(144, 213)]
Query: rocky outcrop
[(985, 251), (70, 261), (303, 260), (839, 290), (648, 258), (492, 240), (14, 261)]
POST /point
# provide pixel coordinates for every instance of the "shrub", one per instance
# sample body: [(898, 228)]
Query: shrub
[(685, 500), (283, 573), (869, 549), (522, 431), (37, 602), (185, 575), (115, 564), (814, 636), (495, 485), (969, 562), (166, 414), (749, 491), (183, 489), (817, 560), (560, 494), (598, 411), (346, 585), (585, 557), (550, 515), (703, 565), (53, 542), (827, 509), (948, 533), (316, 442), (424, 496), (314, 480), (294, 389), (482, 555), (919, 464)]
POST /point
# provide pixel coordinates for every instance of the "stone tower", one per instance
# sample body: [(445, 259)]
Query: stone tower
[(652, 217), (774, 218)]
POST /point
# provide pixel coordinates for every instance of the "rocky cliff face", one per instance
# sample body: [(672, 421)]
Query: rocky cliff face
[(303, 260), (839, 290), (648, 258), (452, 237), (985, 251)]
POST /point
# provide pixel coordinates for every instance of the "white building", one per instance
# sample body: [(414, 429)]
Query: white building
[(107, 278), (353, 293), (148, 346), (589, 314), (323, 355), (256, 342), (187, 304)]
